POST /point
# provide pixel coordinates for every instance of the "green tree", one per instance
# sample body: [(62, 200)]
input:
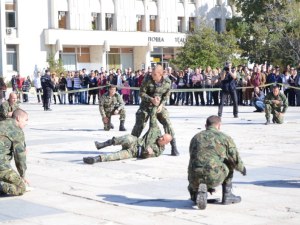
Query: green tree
[(207, 48), (55, 65), (268, 30)]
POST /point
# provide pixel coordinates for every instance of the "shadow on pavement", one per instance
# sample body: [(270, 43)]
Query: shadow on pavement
[(71, 129), (71, 152), (165, 203), (275, 183)]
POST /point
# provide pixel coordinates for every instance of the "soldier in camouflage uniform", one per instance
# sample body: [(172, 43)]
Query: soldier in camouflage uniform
[(12, 145), (7, 108), (154, 92), (152, 144), (213, 158), (274, 101), (111, 103)]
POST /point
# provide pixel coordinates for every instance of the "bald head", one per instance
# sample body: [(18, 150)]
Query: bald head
[(157, 73), (164, 139), (12, 98)]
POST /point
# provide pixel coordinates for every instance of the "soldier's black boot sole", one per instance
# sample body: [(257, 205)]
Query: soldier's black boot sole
[(89, 160), (201, 199)]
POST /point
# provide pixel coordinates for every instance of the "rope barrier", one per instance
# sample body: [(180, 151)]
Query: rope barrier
[(33, 91)]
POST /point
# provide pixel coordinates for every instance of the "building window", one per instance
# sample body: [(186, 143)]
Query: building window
[(218, 25), (162, 56), (191, 24), (109, 21), (62, 19), (11, 54), (139, 23), (180, 24), (153, 23), (10, 14), (68, 57), (83, 55), (95, 21), (10, 19)]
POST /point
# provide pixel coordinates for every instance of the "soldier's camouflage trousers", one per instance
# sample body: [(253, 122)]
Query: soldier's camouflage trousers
[(122, 114), (142, 116), (270, 109), (12, 183), (129, 149), (212, 178)]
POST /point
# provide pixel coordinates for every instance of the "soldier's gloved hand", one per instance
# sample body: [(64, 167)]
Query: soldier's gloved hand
[(244, 172)]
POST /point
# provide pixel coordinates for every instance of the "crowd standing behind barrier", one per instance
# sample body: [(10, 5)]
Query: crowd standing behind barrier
[(197, 86)]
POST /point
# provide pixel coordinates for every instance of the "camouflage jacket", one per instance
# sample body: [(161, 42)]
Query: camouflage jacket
[(150, 138), (281, 97), (12, 144), (211, 148), (5, 108), (150, 89), (108, 104)]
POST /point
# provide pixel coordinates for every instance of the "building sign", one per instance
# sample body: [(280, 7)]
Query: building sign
[(156, 39), (156, 60), (180, 40)]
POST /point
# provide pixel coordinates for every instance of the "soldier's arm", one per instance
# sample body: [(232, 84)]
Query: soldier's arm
[(4, 111), (20, 156), (268, 99), (101, 107), (166, 95), (143, 91), (121, 103), (284, 103), (152, 151), (234, 158)]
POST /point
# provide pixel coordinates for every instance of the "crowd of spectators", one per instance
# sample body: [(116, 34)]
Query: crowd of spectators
[(200, 86)]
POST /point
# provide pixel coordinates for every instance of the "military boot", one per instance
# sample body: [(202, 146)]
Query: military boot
[(267, 122), (174, 151), (92, 160), (228, 197), (201, 200), (100, 145), (122, 128)]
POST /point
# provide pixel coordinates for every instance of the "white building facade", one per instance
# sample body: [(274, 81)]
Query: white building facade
[(100, 33)]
